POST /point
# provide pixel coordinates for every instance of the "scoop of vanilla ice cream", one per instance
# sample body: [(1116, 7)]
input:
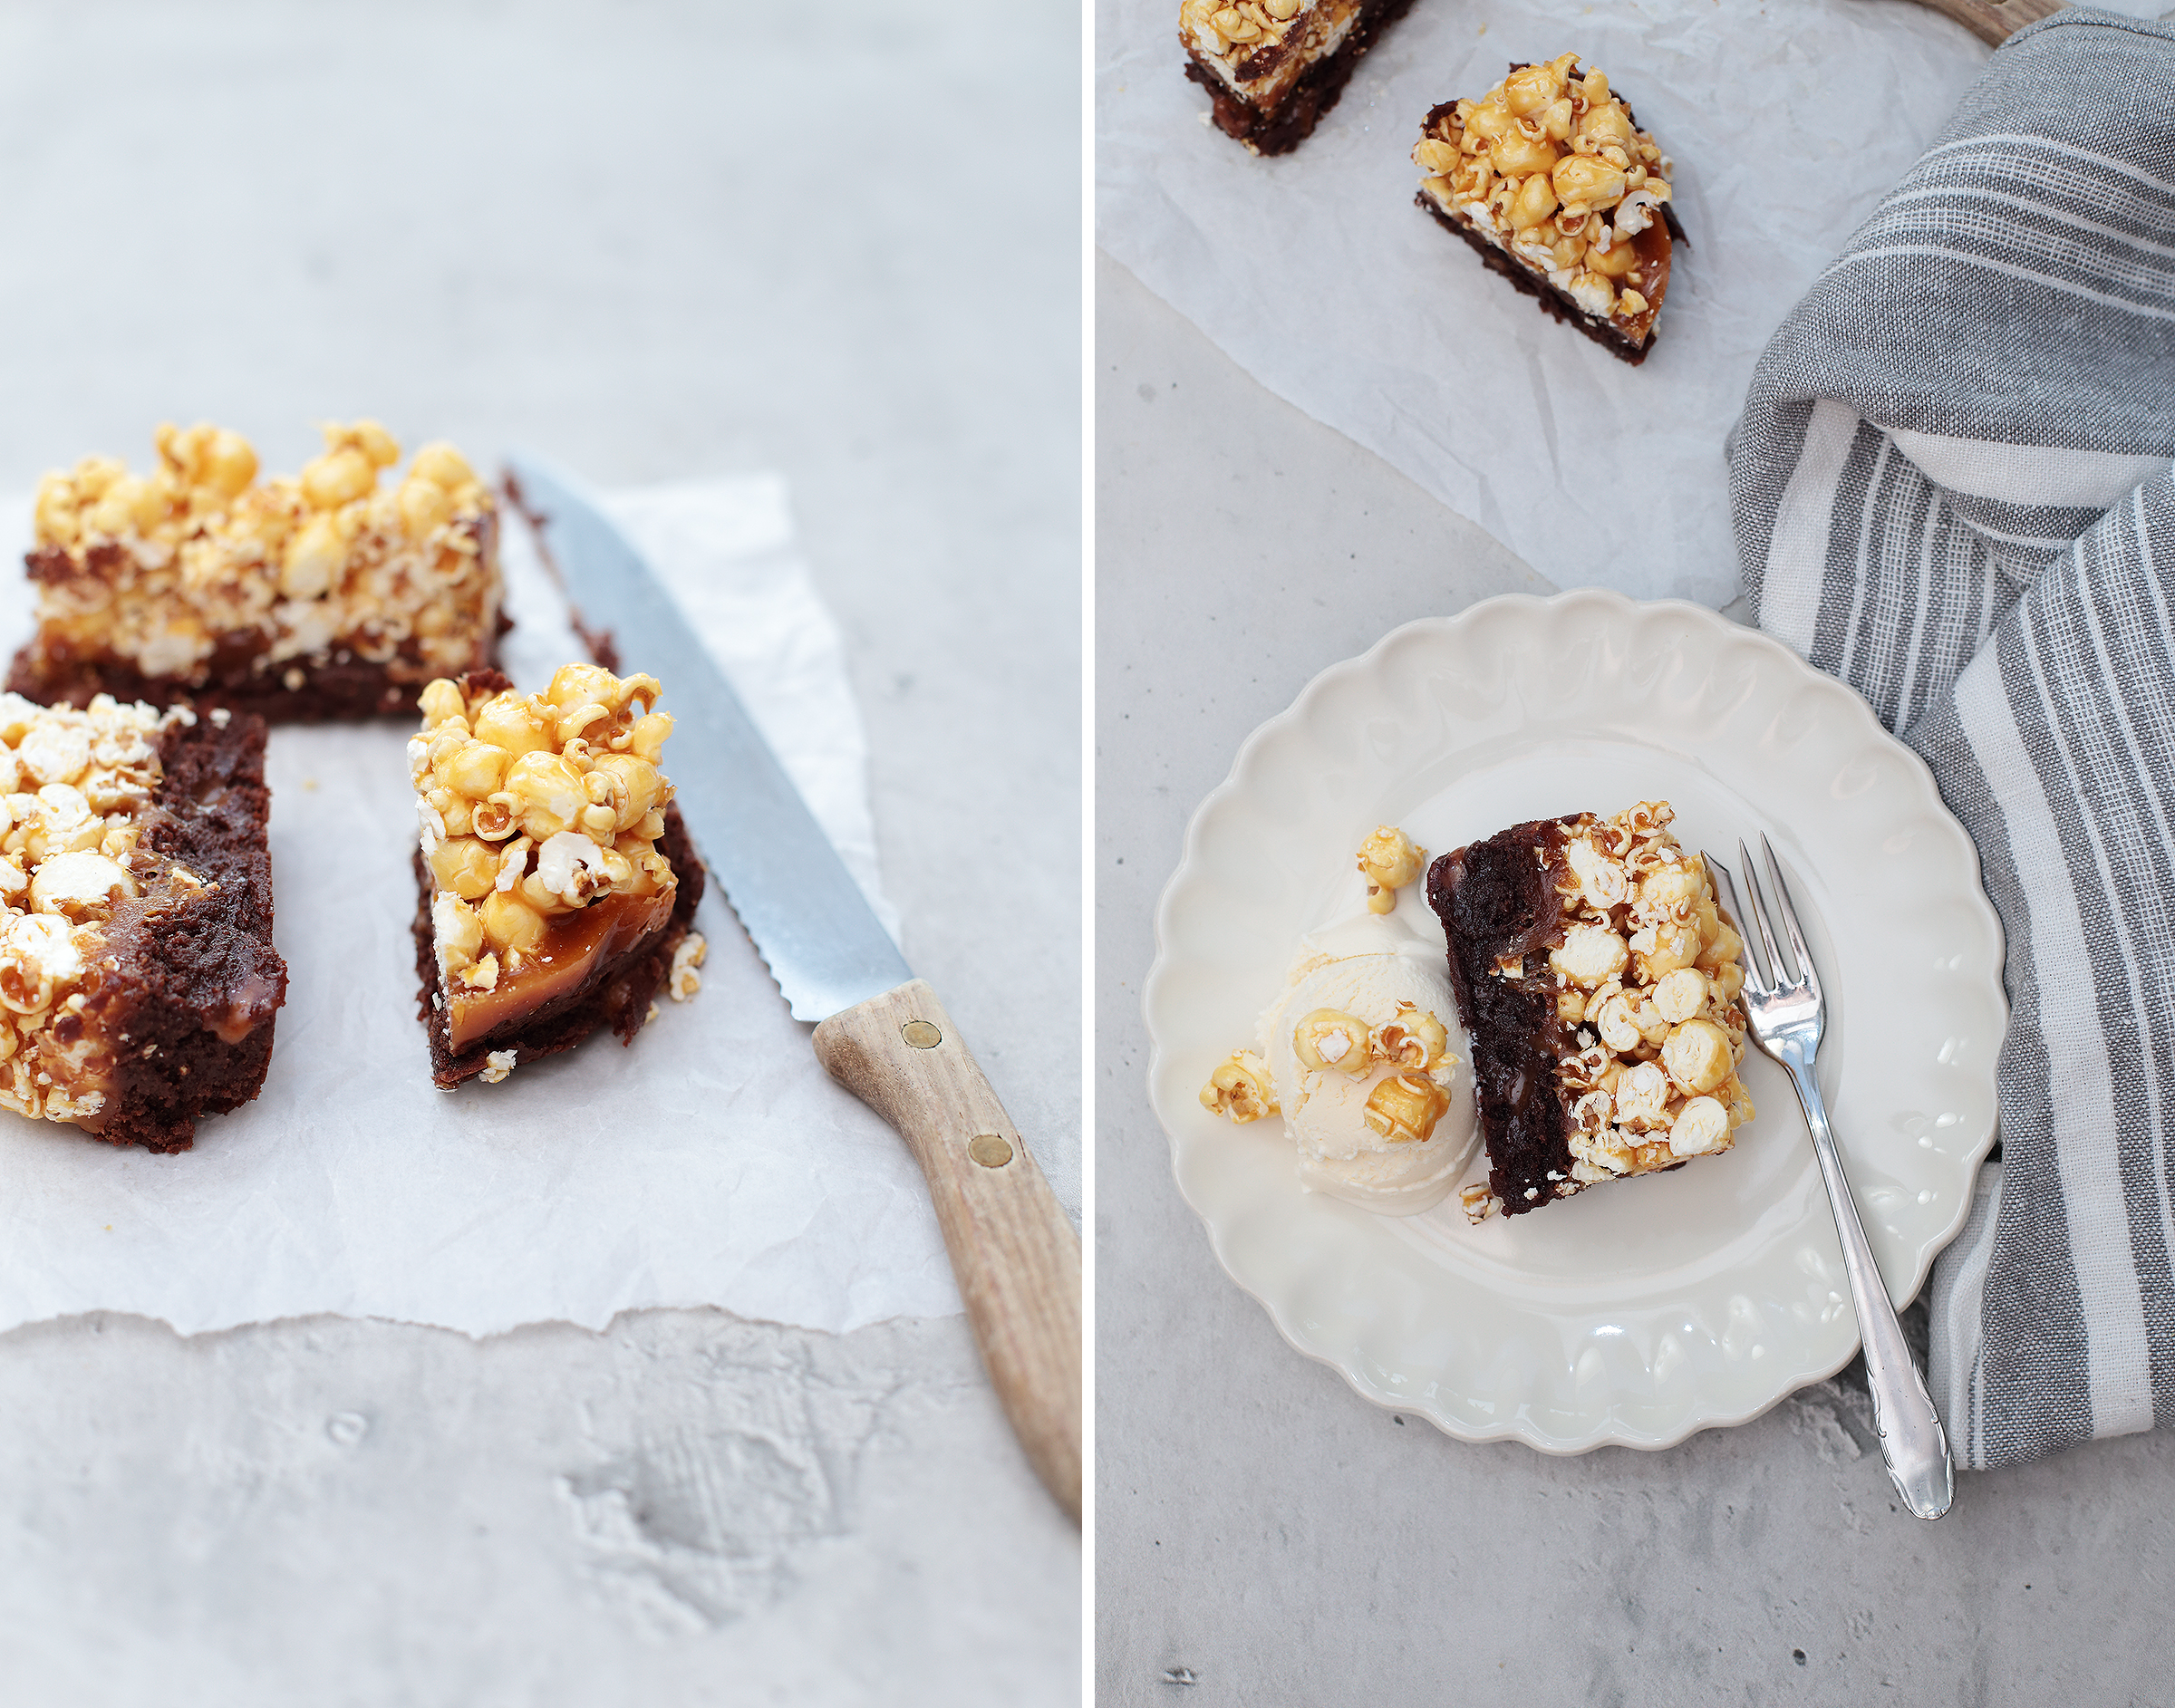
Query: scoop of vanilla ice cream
[(1367, 968)]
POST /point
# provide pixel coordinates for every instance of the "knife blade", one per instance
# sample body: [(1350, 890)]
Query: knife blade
[(881, 1032)]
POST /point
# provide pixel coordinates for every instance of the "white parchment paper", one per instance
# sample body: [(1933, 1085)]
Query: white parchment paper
[(711, 1163), (1317, 274)]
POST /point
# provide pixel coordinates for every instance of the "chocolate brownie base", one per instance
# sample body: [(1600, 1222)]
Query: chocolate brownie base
[(190, 983), (334, 692), (617, 994), (1318, 89), (1497, 901), (1557, 302)]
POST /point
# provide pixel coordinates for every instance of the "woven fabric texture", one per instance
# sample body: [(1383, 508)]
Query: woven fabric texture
[(1952, 488)]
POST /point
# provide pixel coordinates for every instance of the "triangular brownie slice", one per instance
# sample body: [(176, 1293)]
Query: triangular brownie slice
[(1551, 181)]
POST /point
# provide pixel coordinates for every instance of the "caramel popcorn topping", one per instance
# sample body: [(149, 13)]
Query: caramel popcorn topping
[(75, 790), (1648, 976), (1259, 48), (540, 817), (1548, 167), (199, 557)]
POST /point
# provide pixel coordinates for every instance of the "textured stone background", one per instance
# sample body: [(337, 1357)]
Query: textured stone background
[(1264, 1536), (654, 241)]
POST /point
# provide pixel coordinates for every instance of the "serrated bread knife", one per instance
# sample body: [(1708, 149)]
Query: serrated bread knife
[(882, 1033)]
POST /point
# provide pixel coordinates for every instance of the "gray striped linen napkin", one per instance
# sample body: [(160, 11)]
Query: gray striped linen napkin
[(1952, 489)]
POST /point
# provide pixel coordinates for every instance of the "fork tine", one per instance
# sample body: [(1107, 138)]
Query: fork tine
[(1724, 882), (1779, 976), (1806, 971)]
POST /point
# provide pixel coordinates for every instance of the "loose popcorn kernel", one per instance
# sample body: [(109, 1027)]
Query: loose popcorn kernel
[(1405, 1110), (1478, 1204), (1389, 860), (498, 1063), (1328, 1037), (1241, 1088), (684, 980)]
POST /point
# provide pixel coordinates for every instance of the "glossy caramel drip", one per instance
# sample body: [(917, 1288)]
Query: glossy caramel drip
[(575, 945)]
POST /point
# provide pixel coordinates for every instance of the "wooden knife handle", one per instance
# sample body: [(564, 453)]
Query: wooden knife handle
[(1996, 21), (1016, 1256)]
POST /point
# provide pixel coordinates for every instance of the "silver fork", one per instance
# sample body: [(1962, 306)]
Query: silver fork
[(1786, 1014)]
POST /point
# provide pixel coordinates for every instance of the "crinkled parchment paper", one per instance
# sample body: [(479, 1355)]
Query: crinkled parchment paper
[(711, 1163), (1317, 274)]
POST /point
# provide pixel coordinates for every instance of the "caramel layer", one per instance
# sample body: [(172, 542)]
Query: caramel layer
[(575, 945)]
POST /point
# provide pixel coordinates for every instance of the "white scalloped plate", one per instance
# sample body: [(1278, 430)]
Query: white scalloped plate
[(1642, 1311)]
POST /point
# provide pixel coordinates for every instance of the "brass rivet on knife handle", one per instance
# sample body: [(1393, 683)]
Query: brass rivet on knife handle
[(921, 1035), (1015, 1253)]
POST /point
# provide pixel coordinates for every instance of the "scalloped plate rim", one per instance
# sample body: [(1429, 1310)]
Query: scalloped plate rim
[(1611, 1431)]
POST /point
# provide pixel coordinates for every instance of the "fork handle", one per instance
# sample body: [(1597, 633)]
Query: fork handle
[(1912, 1442)]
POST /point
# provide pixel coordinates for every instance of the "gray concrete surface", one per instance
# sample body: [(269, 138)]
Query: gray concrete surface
[(654, 240), (1264, 1536)]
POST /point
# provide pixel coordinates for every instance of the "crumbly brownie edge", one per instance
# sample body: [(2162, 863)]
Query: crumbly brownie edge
[(1317, 89), (617, 995), (200, 986), (1553, 301), (331, 692)]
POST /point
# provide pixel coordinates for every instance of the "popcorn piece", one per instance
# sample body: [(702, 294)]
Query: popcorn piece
[(685, 980), (318, 594), (1589, 956), (1241, 1087), (498, 1065), (1389, 860), (1404, 1110), (1326, 1039), (1548, 178)]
